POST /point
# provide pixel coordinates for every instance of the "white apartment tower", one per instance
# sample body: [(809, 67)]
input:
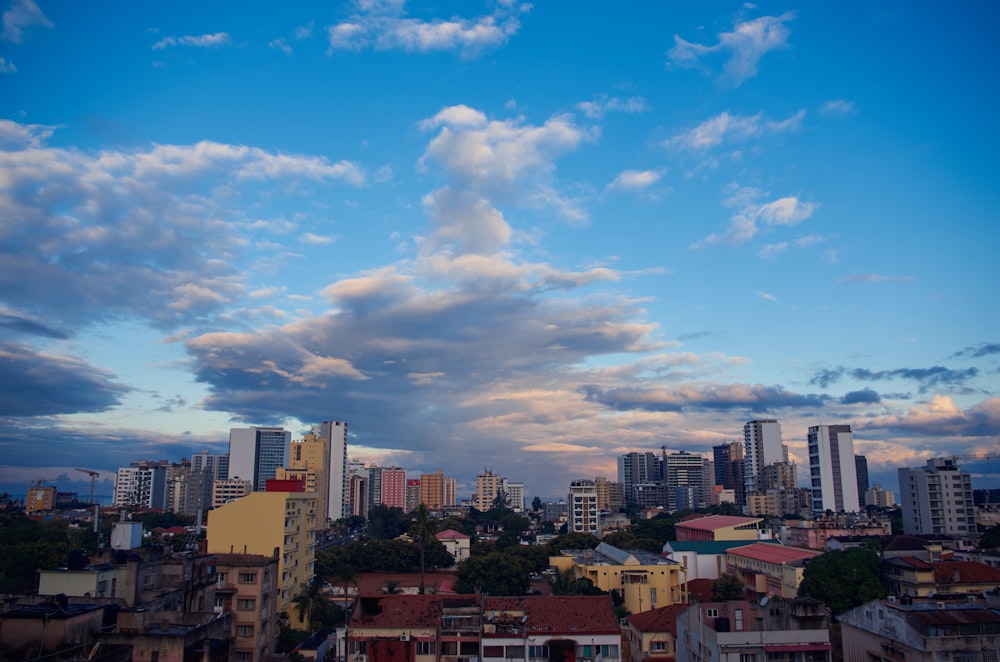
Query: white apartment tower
[(761, 446), (832, 469), (937, 499), (584, 517), (335, 434)]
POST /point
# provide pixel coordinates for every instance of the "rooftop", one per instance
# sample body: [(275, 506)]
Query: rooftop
[(771, 553), (661, 619), (605, 554), (452, 534), (965, 572), (705, 546), (715, 522), (556, 613)]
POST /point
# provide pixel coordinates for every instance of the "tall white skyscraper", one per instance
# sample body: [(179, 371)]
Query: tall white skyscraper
[(255, 453), (584, 517), (335, 434), (685, 485), (832, 470), (761, 446), (937, 498)]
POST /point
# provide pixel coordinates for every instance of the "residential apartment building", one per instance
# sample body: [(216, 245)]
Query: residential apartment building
[(937, 499), (730, 468), (40, 498), (652, 634), (437, 491), (762, 446), (792, 630), (247, 586), (639, 468), (861, 470), (876, 496), (610, 494), (644, 580), (256, 453), (685, 482), (141, 485), (487, 488), (224, 491), (583, 515), (832, 470), (216, 465), (261, 522), (769, 569), (393, 487)]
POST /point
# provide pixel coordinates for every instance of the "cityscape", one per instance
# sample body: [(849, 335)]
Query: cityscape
[(493, 330)]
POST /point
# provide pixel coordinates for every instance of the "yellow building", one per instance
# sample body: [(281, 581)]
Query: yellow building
[(645, 580), (437, 491), (40, 498), (263, 522), (309, 460)]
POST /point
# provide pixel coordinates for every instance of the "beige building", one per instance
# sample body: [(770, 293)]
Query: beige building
[(246, 585), (645, 580), (437, 491), (718, 527), (224, 491), (769, 569), (652, 635), (487, 487), (308, 460), (266, 523), (40, 498)]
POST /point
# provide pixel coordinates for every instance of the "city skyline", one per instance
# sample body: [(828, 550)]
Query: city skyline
[(526, 237)]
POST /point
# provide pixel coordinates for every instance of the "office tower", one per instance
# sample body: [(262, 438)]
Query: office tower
[(141, 485), (761, 446), (730, 468), (685, 481), (831, 469), (937, 499), (195, 493), (216, 465), (639, 469), (583, 516), (263, 522), (861, 469), (255, 453)]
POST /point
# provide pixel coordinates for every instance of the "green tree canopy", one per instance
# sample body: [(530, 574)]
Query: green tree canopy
[(990, 538), (493, 574), (842, 580), (572, 541), (728, 587)]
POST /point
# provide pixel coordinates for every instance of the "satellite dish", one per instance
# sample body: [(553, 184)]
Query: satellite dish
[(763, 601)]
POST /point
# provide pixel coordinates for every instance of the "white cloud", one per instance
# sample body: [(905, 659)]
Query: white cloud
[(838, 108), (744, 223), (748, 42), (732, 128), (200, 41), (383, 26), (316, 239), (14, 135), (635, 180), (767, 296), (22, 14), (6, 66), (603, 105), (877, 278), (280, 45)]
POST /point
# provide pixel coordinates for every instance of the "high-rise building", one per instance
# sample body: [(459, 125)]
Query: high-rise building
[(876, 496), (255, 453), (730, 469), (610, 494), (685, 487), (831, 469), (761, 446), (937, 499), (263, 522), (779, 475), (141, 485), (412, 494), (224, 491), (487, 487), (861, 469), (357, 495), (393, 487), (216, 465), (437, 491), (334, 434), (583, 516), (639, 469), (515, 495)]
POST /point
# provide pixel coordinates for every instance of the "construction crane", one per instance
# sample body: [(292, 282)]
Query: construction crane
[(93, 477), (982, 456)]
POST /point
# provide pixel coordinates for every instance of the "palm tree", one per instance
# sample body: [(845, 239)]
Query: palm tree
[(421, 529)]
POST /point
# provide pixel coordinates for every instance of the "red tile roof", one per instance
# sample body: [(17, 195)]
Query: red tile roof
[(405, 611), (452, 534), (560, 613), (965, 572), (714, 522), (700, 589), (662, 619), (771, 553)]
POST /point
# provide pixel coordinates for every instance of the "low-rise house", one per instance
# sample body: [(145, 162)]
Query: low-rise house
[(921, 630), (814, 534), (456, 543), (795, 630), (546, 627), (917, 578), (423, 628), (643, 579), (718, 527), (652, 635), (34, 631), (247, 586), (768, 569)]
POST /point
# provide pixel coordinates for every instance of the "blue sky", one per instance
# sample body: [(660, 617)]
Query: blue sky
[(525, 237)]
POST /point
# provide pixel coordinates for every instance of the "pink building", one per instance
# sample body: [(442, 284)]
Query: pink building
[(394, 487)]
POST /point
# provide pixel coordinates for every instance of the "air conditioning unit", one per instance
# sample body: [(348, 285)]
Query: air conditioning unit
[(404, 637)]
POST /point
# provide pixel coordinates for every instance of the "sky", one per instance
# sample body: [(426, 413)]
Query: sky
[(497, 235)]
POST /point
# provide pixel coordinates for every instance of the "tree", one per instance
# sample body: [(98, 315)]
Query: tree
[(567, 583), (572, 541), (842, 580), (422, 530), (728, 587), (493, 574), (536, 504), (990, 538)]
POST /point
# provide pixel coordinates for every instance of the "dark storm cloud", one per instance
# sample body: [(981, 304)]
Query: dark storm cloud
[(864, 396), (926, 378), (37, 384), (21, 324), (756, 398)]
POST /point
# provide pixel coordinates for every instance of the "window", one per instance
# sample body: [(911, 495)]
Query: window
[(428, 648), (246, 604), (358, 647), (738, 617), (248, 577), (492, 651), (748, 657), (660, 646), (243, 656), (154, 656), (712, 613), (244, 630), (515, 652), (542, 652), (652, 595)]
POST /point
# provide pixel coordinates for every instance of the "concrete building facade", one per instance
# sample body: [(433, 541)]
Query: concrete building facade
[(832, 469)]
